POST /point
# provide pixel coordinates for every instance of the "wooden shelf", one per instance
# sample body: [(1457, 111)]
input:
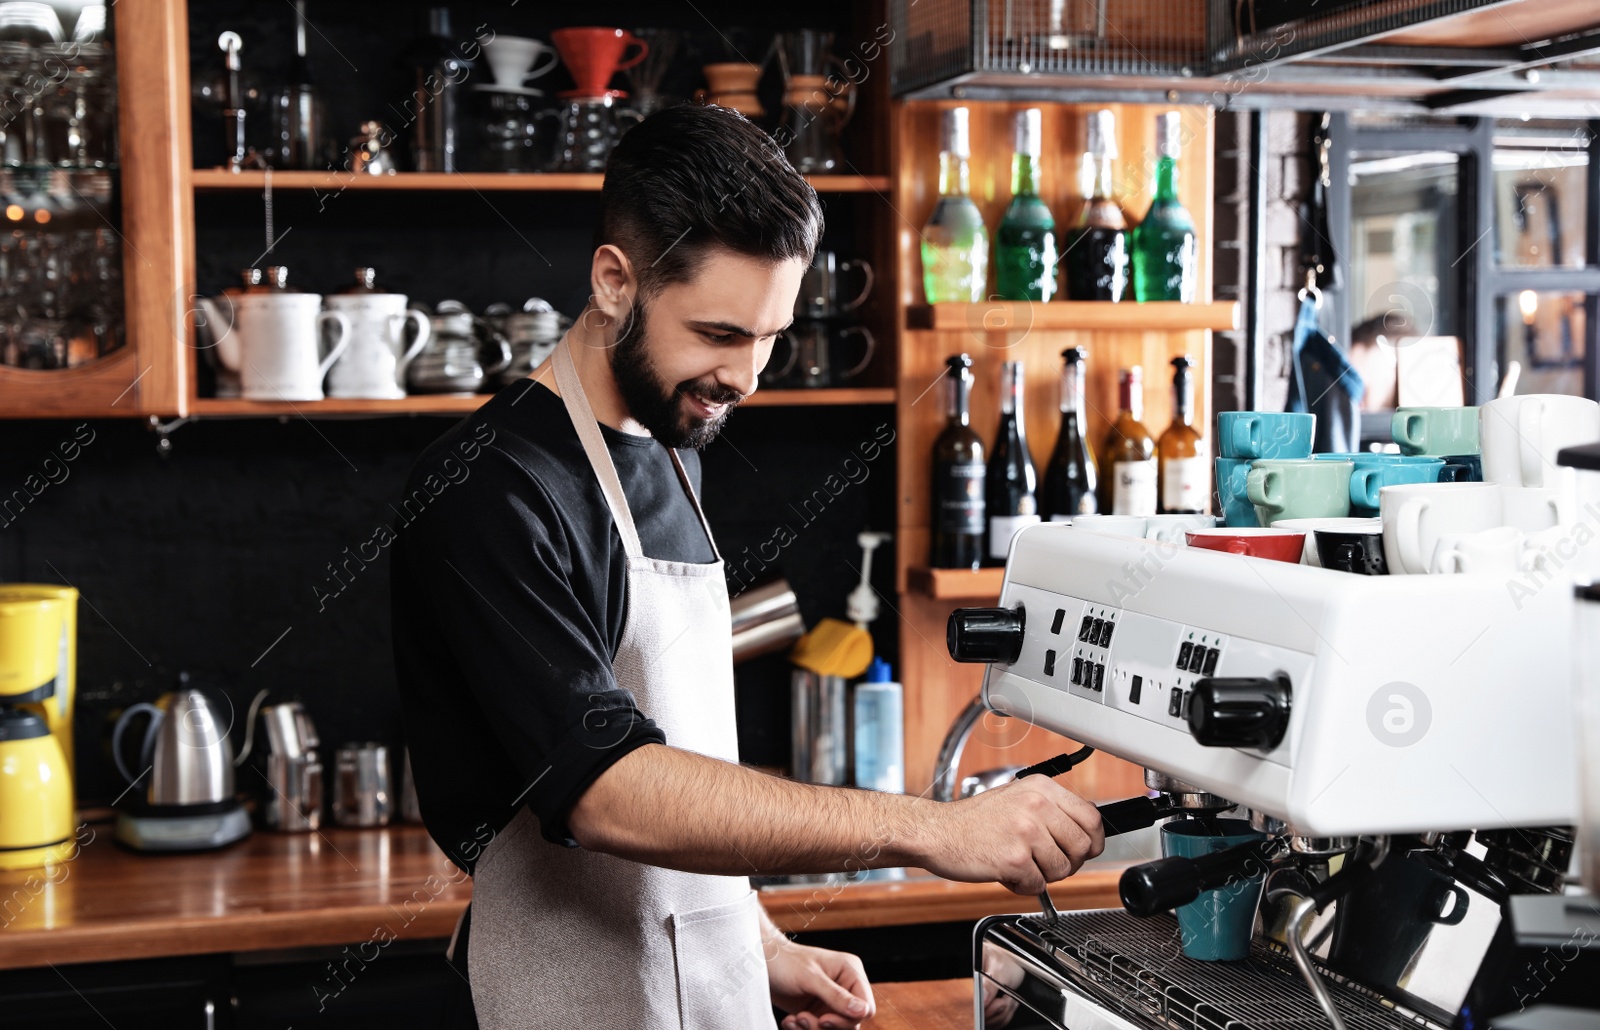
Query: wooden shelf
[(450, 404), (956, 584), (1082, 315), (220, 179)]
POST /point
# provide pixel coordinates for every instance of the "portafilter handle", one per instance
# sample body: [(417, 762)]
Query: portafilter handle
[(1167, 883)]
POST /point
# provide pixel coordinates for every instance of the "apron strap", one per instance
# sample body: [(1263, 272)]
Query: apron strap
[(594, 445), (688, 488)]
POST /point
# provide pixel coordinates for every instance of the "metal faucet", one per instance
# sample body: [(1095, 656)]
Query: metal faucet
[(955, 741)]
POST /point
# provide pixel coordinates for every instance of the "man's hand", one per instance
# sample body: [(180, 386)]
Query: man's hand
[(820, 989), (1024, 834)]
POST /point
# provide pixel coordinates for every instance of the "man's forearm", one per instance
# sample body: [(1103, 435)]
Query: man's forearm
[(665, 806)]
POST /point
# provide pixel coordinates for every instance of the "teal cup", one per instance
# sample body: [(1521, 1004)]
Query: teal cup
[(1237, 511), (1299, 488), (1215, 927), (1462, 468), (1436, 431), (1373, 472), (1265, 434)]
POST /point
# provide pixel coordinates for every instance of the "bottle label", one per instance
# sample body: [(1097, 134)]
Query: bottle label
[(1185, 483), (1133, 487), (959, 489), (1002, 528)]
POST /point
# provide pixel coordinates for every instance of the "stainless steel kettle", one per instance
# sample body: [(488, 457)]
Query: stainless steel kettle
[(186, 753)]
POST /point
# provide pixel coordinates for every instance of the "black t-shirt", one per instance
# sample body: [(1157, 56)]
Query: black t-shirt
[(508, 605)]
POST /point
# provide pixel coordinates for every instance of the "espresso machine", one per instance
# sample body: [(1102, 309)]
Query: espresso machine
[(1405, 747)]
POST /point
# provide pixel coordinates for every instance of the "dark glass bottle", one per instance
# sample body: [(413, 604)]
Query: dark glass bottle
[(1096, 252), (1011, 484), (1129, 486), (1165, 262), (1025, 244), (1070, 478), (958, 474), (438, 96), (1185, 474), (298, 109)]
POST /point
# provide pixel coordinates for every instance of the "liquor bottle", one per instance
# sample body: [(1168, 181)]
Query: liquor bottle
[(1096, 255), (1129, 455), (1025, 244), (1165, 262), (955, 245), (1069, 480), (298, 110), (1011, 499), (958, 474), (1185, 474)]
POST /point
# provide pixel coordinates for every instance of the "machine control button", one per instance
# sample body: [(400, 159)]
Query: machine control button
[(1243, 711), (1099, 676), (1175, 703), (1049, 663), (1097, 631), (985, 634), (1105, 633), (1197, 659), (1135, 690), (1210, 666), (1055, 623), (1183, 654), (1077, 671), (1085, 628)]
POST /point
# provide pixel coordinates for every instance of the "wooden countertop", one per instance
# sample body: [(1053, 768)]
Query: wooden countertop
[(923, 1005), (344, 886)]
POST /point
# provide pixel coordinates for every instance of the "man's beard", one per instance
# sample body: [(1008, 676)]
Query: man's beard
[(654, 404)]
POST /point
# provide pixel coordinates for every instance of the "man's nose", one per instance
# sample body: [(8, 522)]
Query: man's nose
[(743, 371)]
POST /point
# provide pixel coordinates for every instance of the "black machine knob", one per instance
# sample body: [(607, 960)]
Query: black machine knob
[(985, 634), (1244, 711), (1167, 883)]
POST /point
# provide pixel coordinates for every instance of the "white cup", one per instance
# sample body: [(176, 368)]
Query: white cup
[(1310, 527), (1498, 551), (1115, 525), (512, 59), (1522, 435), (1416, 515), (1532, 509), (1170, 529)]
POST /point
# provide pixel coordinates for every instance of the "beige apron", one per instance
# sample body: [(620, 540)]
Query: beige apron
[(573, 938)]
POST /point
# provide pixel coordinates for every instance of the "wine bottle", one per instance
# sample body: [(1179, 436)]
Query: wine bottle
[(1185, 474), (1096, 256), (1069, 480), (955, 244), (958, 474), (298, 108), (1165, 261), (1011, 499), (1129, 453), (1025, 244)]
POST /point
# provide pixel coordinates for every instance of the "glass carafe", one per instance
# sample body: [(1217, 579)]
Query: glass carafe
[(588, 127)]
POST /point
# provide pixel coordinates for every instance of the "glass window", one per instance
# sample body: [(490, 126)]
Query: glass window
[(1543, 333), (1539, 196)]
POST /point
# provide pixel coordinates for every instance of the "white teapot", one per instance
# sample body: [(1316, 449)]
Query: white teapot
[(374, 365), (271, 337)]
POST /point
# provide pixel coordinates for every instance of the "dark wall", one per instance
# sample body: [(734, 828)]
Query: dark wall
[(209, 559)]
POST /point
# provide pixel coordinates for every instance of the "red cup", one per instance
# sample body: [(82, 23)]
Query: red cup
[(593, 55), (1277, 544)]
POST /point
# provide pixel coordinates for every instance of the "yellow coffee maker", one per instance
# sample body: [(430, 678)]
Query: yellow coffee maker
[(38, 656)]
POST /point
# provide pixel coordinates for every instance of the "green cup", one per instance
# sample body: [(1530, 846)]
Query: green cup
[(1436, 431), (1215, 927), (1299, 488)]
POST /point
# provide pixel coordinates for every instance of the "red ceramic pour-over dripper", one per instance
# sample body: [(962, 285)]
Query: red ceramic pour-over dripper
[(594, 54)]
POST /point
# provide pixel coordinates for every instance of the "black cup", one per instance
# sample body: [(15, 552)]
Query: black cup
[(1351, 552), (1462, 468)]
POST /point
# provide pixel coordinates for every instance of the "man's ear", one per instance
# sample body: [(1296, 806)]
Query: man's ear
[(612, 283)]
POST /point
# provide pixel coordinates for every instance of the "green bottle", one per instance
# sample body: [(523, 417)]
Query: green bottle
[(1025, 246), (1165, 264), (955, 245)]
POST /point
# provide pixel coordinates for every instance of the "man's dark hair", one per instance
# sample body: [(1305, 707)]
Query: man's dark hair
[(695, 176)]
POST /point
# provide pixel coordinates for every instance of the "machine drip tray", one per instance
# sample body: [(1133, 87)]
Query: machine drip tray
[(1133, 968)]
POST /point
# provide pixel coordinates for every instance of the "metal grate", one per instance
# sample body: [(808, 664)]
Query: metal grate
[(944, 41), (1135, 967)]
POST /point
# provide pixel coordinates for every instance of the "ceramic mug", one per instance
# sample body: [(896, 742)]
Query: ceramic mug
[(1371, 476), (1522, 435), (1358, 550), (1310, 527), (1462, 468), (1277, 544), (1498, 551), (1216, 926), (1265, 434), (1435, 430), (1299, 488), (1532, 510), (1113, 525), (374, 364), (1237, 510), (1416, 515)]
